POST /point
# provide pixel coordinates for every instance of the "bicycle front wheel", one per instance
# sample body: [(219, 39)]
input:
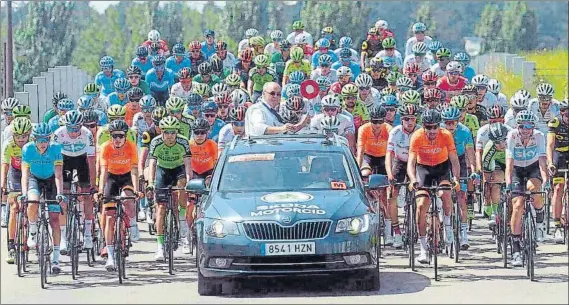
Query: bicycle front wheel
[(73, 245), (529, 245), (170, 236), (119, 248), (19, 244), (43, 252)]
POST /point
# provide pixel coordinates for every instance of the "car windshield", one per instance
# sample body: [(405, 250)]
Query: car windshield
[(286, 171)]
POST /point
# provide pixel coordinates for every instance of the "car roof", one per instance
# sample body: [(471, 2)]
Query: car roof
[(270, 143)]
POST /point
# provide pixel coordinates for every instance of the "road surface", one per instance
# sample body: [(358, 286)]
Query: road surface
[(478, 278)]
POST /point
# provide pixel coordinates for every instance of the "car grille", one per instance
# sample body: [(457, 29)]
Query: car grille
[(299, 231)]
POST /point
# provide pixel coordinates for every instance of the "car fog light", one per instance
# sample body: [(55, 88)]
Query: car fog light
[(220, 262), (356, 259)]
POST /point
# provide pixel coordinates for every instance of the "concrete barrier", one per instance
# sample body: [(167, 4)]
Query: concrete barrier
[(42, 95)]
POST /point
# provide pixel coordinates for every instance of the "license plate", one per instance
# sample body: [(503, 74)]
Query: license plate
[(289, 248)]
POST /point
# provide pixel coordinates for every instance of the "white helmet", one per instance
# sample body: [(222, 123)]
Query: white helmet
[(519, 101), (420, 47), (381, 24), (330, 101), (301, 39), (494, 86), (343, 70), (364, 80), (524, 93), (154, 36), (276, 34), (251, 32), (545, 89), (454, 66), (480, 80), (330, 123)]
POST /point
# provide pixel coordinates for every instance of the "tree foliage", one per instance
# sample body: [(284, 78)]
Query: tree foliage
[(487, 28), (425, 15)]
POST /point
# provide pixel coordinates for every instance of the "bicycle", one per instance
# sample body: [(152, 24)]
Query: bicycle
[(172, 230), (565, 205), (453, 249), (20, 243), (500, 231), (122, 241), (409, 225)]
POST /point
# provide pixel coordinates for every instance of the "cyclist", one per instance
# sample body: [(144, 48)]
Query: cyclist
[(196, 55), (419, 30), (396, 162), (179, 60), (235, 127), (193, 106), (525, 169), (331, 106), (346, 61), (494, 87), (323, 69), (433, 46), (465, 150), (244, 44), (370, 47), (390, 103), (275, 46), (314, 105), (63, 106), (119, 176), (366, 93), (257, 45), (233, 82), (412, 71), (12, 102), (10, 178), (443, 57), (208, 45), (154, 38), (383, 30), (183, 88), (92, 90), (345, 77), (354, 106), (160, 79), (418, 56), (108, 75), (42, 165), (134, 77), (483, 97), (293, 87), (431, 154), (403, 83), (119, 97), (227, 57), (467, 119), (8, 106), (464, 60), (259, 75), (279, 59), (217, 67), (378, 71), (298, 29), (223, 101), (545, 107), (432, 98), (296, 63), (244, 65), (175, 107), (389, 51), (473, 107), (78, 149), (323, 45), (142, 61), (452, 83), (346, 42), (205, 75), (557, 148), (328, 33), (518, 102), (209, 111), (132, 107)]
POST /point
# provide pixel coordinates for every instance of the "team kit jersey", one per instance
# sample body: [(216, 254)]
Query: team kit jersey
[(83, 144)]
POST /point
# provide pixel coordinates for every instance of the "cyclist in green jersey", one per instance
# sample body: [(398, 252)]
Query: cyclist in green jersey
[(217, 67), (494, 166), (175, 107), (354, 106), (134, 77), (57, 96), (259, 76), (205, 75), (169, 165), (469, 120)]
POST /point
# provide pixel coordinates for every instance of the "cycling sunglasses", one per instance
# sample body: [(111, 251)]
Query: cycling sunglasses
[(526, 126), (90, 125), (429, 83), (329, 109), (8, 113), (210, 115), (118, 135), (200, 132), (431, 127), (42, 139), (453, 73), (147, 109), (390, 109), (170, 132), (73, 129), (238, 123), (408, 118), (377, 122)]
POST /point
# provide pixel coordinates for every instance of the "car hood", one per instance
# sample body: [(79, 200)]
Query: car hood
[(286, 207)]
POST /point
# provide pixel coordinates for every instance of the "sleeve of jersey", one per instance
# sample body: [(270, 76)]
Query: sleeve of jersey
[(58, 157), (413, 143), (552, 125), (103, 155), (488, 155), (451, 147), (390, 143), (468, 137), (510, 146), (540, 144), (6, 151), (25, 156), (152, 149), (187, 150), (90, 145)]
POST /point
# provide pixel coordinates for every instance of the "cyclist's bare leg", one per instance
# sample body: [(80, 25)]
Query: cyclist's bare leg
[(497, 176), (558, 188), (487, 201), (33, 210), (393, 209), (14, 207)]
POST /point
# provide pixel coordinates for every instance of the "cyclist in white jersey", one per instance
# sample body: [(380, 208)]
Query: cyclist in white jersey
[(346, 42), (419, 36), (331, 107), (494, 87), (143, 120), (442, 57), (298, 29), (229, 131), (483, 97), (367, 94), (545, 107), (389, 51), (183, 88), (273, 47), (314, 105), (518, 102), (244, 43), (324, 69), (78, 149), (418, 56)]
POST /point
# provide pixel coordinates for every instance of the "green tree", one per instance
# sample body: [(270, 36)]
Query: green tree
[(527, 39), (425, 15), (490, 20)]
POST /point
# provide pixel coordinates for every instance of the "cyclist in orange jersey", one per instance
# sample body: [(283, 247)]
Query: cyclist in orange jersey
[(431, 149), (132, 107)]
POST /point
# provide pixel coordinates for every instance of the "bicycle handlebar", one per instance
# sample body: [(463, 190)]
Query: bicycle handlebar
[(119, 198)]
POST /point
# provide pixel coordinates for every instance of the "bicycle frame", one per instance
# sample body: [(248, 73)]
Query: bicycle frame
[(172, 226)]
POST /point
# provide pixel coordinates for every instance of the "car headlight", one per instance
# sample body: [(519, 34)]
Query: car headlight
[(222, 228), (353, 225)]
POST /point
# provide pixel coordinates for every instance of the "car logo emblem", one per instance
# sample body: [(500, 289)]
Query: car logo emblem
[(286, 219)]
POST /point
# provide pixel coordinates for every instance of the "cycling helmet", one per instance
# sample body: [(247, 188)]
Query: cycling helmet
[(408, 109), (204, 68), (450, 114), (545, 89), (221, 45), (389, 100), (345, 53), (462, 57), (323, 82), (116, 111), (497, 132), (296, 53), (21, 126), (330, 124), (195, 45), (381, 24), (200, 124), (154, 35), (262, 61), (246, 55), (256, 41), (89, 89), (295, 103), (525, 116), (301, 39), (135, 94), (233, 79), (175, 103), (296, 77), (494, 86), (185, 73), (298, 25), (277, 35), (133, 70), (239, 97), (431, 116), (41, 130), (147, 101), (350, 90), (331, 101), (327, 30), (435, 45), (372, 31), (219, 88), (9, 103), (216, 63), (65, 104), (325, 59), (388, 43), (459, 101), (223, 98), (121, 85), (106, 61), (201, 89), (194, 100), (564, 104), (404, 81), (419, 27), (57, 96), (432, 93), (85, 102), (377, 112), (323, 43), (345, 42), (158, 60), (344, 71), (410, 97), (289, 116), (364, 80), (392, 77), (179, 49), (442, 52), (496, 112), (518, 101), (420, 48), (454, 66), (158, 114), (169, 123), (388, 91), (237, 114), (251, 32), (90, 116), (468, 89), (524, 93), (480, 80), (118, 125), (208, 32), (73, 118), (209, 107), (292, 90), (429, 76), (285, 45), (411, 68), (141, 51)]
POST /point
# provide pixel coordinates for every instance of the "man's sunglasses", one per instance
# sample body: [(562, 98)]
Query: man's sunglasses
[(200, 132), (223, 106), (210, 115), (73, 129), (90, 125), (364, 88), (42, 139), (118, 135), (430, 127), (376, 122), (147, 109), (170, 132), (408, 118), (238, 123), (430, 83), (329, 109), (526, 126)]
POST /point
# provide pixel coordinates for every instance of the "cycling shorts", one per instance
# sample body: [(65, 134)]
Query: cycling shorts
[(464, 172), (80, 165), (115, 183), (399, 170), (203, 175), (521, 175), (560, 160), (376, 164), (426, 175), (36, 185), (14, 180), (166, 177)]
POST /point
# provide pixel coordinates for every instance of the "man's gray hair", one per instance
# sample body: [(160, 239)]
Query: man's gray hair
[(269, 84)]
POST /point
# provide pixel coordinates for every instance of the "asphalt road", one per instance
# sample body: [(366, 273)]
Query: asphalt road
[(478, 278)]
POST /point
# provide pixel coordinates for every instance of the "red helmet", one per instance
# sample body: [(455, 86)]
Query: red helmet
[(185, 73), (411, 67), (195, 45), (221, 45), (429, 76), (223, 98), (237, 113), (295, 103), (432, 93), (246, 55)]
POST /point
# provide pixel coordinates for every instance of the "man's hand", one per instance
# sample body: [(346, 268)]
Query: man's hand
[(413, 185), (456, 184), (288, 127), (551, 169)]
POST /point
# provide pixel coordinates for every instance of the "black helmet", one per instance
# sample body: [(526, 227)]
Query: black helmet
[(431, 116), (141, 51), (216, 64), (194, 99), (290, 116), (377, 112), (497, 132), (58, 96), (237, 114), (118, 125), (135, 94), (133, 70), (158, 60), (200, 124), (285, 45), (90, 116), (204, 68), (178, 49)]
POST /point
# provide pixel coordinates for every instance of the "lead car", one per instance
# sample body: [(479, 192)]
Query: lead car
[(288, 205)]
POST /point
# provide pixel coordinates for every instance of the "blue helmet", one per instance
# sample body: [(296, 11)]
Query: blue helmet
[(106, 61), (65, 104), (323, 43), (419, 27), (41, 130), (85, 102), (345, 42), (450, 114), (325, 59), (296, 77), (73, 118), (141, 51), (345, 53), (122, 85), (209, 107), (147, 101), (179, 49), (434, 45), (389, 100)]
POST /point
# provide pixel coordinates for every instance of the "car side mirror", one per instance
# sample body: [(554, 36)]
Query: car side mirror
[(377, 181), (197, 186)]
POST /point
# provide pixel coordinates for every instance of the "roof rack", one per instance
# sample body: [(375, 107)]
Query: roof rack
[(288, 136)]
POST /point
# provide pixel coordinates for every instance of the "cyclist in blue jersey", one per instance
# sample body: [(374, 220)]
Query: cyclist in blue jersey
[(160, 79), (86, 103), (107, 76), (465, 151), (526, 169), (208, 45), (142, 60), (42, 171), (294, 80), (122, 85), (209, 110), (392, 117), (63, 106), (323, 45), (178, 60), (464, 59), (346, 61)]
